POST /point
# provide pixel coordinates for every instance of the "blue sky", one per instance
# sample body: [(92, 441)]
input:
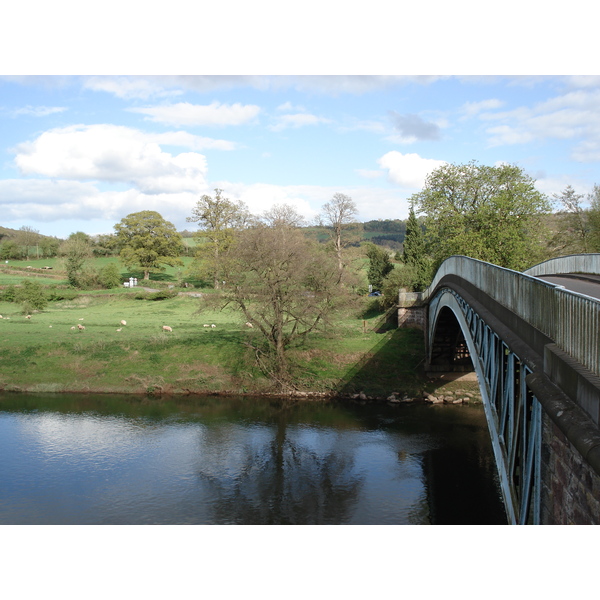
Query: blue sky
[(287, 106), (79, 153)]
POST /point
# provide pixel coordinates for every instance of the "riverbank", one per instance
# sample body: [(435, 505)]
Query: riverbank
[(116, 344)]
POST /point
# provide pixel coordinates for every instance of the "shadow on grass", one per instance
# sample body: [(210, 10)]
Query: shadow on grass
[(395, 364)]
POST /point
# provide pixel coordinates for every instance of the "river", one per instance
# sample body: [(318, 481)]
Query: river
[(102, 459)]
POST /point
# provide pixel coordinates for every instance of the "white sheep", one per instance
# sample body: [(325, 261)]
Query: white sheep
[(80, 327), (249, 325), (73, 327), (28, 317), (205, 325), (123, 322), (167, 328), (213, 325), (119, 329)]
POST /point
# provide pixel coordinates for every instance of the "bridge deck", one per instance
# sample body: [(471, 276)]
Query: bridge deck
[(582, 284)]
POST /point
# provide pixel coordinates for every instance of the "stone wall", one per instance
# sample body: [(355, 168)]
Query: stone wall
[(411, 310), (415, 316), (570, 490)]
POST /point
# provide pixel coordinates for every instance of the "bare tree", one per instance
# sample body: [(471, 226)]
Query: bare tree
[(285, 285), (577, 228), (27, 237), (283, 215), (338, 214)]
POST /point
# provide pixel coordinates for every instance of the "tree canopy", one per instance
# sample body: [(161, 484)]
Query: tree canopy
[(148, 241), (489, 213), (284, 284), (218, 218)]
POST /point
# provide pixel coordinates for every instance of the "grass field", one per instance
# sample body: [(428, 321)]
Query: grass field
[(48, 352)]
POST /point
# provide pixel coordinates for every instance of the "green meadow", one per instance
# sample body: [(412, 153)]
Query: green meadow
[(49, 352)]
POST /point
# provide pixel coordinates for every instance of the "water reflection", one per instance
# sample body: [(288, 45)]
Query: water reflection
[(240, 460)]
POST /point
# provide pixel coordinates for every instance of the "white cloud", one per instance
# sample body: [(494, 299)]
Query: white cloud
[(37, 200), (296, 120), (128, 88), (184, 113), (38, 111), (471, 109), (408, 170), (114, 154)]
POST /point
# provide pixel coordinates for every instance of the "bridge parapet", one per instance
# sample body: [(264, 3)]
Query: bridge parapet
[(568, 318), (573, 263)]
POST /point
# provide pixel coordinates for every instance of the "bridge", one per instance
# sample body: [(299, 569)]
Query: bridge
[(533, 341)]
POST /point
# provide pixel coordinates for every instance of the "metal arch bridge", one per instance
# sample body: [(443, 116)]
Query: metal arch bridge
[(535, 348)]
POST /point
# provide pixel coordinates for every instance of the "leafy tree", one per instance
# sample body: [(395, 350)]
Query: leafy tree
[(415, 255), (490, 213), (148, 241), (284, 284), (49, 246), (218, 218), (379, 265), (76, 250), (10, 249), (337, 215)]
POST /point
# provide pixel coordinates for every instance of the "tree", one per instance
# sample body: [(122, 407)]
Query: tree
[(284, 284), (489, 213), (379, 265), (593, 215), (574, 233), (338, 214), (218, 218), (76, 250), (27, 237), (148, 241), (414, 254)]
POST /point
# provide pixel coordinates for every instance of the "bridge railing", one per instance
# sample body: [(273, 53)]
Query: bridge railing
[(573, 263), (569, 318)]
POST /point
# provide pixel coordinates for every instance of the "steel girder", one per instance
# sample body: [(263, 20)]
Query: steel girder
[(514, 415)]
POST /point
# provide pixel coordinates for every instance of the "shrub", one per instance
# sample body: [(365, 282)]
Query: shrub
[(110, 276), (32, 295)]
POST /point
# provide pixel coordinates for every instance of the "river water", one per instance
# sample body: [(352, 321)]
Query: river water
[(70, 459)]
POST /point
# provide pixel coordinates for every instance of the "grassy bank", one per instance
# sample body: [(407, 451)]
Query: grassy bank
[(49, 353)]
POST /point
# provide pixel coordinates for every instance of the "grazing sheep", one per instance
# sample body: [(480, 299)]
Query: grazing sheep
[(50, 326), (205, 325), (213, 325), (119, 329), (81, 319), (249, 325), (28, 317), (80, 327), (73, 327), (0, 316), (166, 328), (123, 322)]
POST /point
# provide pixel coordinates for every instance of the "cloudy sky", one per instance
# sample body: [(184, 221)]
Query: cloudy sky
[(82, 152)]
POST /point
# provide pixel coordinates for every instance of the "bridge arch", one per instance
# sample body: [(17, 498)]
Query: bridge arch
[(535, 347), (457, 338)]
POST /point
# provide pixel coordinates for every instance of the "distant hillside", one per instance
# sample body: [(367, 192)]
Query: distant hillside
[(388, 232)]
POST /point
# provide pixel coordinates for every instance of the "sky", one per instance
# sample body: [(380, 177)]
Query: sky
[(273, 115), (79, 153)]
